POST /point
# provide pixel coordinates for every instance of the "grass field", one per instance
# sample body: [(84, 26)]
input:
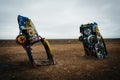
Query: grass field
[(70, 62)]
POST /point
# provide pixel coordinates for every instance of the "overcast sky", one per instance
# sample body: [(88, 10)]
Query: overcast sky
[(60, 18)]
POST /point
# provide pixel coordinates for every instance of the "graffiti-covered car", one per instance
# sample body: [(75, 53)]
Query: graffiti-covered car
[(28, 36), (92, 40)]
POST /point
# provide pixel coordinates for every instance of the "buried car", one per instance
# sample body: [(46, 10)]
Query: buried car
[(28, 36), (93, 42)]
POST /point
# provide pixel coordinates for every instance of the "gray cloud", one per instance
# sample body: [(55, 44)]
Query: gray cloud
[(60, 18)]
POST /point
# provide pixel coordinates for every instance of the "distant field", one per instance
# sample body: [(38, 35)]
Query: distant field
[(56, 41), (70, 62)]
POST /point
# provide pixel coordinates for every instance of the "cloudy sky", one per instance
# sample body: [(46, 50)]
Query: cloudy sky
[(60, 18)]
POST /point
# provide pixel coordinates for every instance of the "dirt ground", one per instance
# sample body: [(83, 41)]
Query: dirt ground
[(70, 63)]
